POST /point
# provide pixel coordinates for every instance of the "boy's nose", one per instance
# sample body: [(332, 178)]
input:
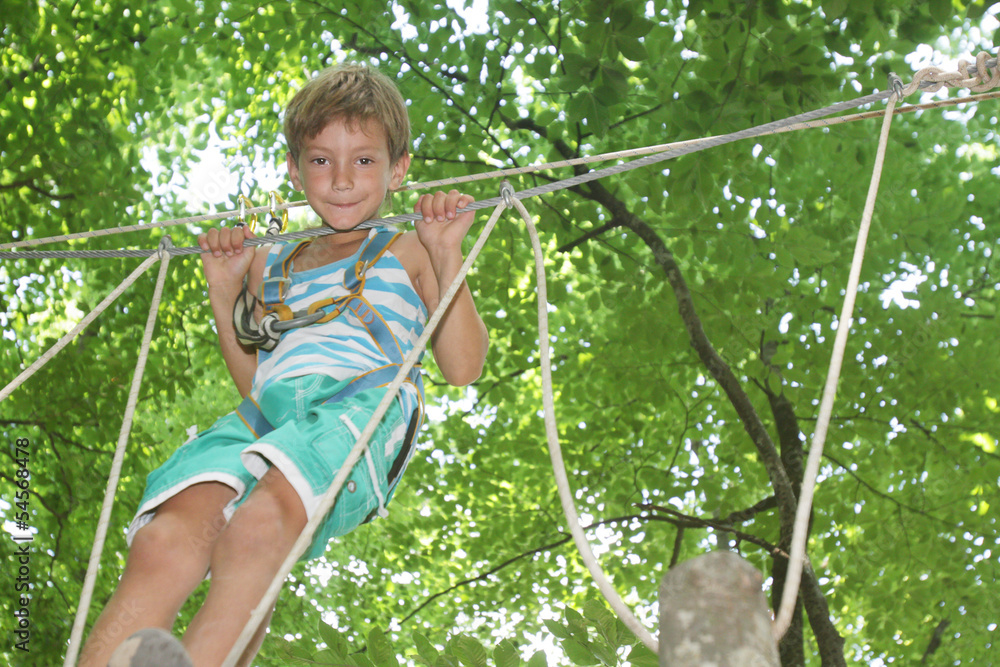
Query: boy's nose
[(342, 179)]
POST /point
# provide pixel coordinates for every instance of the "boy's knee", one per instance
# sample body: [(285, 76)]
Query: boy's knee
[(166, 542), (270, 520)]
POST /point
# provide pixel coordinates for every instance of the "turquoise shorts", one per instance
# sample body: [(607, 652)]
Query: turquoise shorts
[(309, 443)]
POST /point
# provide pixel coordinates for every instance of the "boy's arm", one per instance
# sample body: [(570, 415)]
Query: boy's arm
[(461, 340), (225, 262)]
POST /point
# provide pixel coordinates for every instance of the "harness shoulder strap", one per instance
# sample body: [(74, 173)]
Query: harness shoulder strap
[(275, 283), (371, 254)]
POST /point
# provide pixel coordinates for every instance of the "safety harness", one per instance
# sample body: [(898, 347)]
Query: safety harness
[(278, 318)]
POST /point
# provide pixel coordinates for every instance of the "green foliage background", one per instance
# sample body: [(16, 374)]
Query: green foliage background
[(904, 535)]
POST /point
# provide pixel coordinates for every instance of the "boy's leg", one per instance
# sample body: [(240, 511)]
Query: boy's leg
[(168, 559), (246, 556), (246, 660)]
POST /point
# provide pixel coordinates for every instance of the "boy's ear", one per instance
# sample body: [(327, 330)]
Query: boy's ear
[(399, 171), (293, 171)]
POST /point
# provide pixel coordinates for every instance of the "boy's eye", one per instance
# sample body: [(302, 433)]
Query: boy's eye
[(365, 160), (319, 160)]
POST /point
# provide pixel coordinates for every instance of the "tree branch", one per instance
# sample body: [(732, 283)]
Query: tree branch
[(682, 520), (588, 236), (510, 561), (935, 641), (30, 184), (885, 496), (831, 644), (791, 647)]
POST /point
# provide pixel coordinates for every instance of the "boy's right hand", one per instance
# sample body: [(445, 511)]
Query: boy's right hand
[(224, 259)]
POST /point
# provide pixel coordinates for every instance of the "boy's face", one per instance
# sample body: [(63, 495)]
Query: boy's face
[(345, 172)]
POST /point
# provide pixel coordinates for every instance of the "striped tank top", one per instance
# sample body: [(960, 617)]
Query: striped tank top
[(342, 348)]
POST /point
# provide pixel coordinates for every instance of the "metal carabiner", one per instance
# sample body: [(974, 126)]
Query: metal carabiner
[(272, 228), (299, 320), (244, 201)]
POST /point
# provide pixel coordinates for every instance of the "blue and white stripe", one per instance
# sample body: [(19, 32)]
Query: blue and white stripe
[(342, 348)]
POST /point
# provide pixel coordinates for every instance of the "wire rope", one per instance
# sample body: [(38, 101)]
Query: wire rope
[(573, 181), (500, 173)]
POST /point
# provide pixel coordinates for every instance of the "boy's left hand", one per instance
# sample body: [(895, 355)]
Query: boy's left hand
[(442, 228)]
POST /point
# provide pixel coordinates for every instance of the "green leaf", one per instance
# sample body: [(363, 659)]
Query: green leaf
[(579, 653), (975, 9), (380, 651), (332, 638), (579, 69), (326, 657), (294, 654), (602, 619), (603, 653), (594, 112), (640, 656), (632, 49), (506, 654), (425, 649), (834, 9), (941, 10), (446, 660), (557, 629), (538, 659), (615, 79), (573, 617), (627, 23), (468, 650), (360, 660)]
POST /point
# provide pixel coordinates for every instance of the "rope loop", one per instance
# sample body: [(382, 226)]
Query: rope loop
[(896, 84), (507, 194), (978, 77), (932, 85), (982, 70), (163, 250)]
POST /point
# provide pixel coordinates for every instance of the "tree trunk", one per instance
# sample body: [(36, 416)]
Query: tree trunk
[(713, 612)]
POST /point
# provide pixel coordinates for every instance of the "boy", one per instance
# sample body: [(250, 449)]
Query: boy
[(235, 499)]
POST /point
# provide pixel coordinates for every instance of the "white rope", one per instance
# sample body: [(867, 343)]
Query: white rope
[(664, 151), (500, 173), (974, 77), (660, 148), (330, 497), (116, 466), (555, 452), (576, 180), (798, 549), (983, 76), (65, 340)]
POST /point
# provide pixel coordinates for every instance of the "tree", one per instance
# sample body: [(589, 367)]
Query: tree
[(693, 307)]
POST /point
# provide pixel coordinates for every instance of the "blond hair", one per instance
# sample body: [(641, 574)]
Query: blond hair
[(355, 94)]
